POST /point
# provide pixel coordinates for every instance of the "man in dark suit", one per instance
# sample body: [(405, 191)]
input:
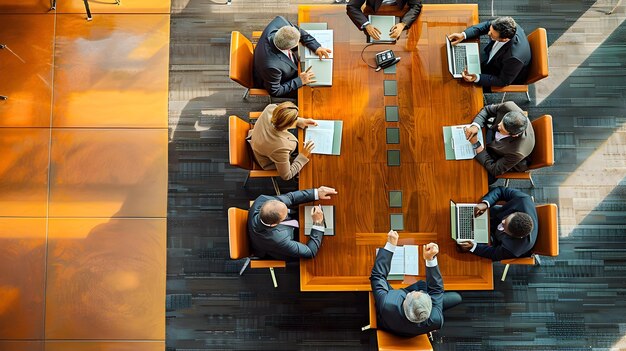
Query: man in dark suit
[(271, 229), (513, 225), (510, 139), (507, 56), (416, 309), (276, 58), (372, 6)]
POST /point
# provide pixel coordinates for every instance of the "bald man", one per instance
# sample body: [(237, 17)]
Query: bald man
[(272, 230)]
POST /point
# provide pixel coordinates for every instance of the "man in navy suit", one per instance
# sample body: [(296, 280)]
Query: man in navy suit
[(507, 56), (372, 6), (276, 58), (272, 229), (416, 309), (513, 225)]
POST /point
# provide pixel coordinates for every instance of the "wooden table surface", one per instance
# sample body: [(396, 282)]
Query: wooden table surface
[(428, 98)]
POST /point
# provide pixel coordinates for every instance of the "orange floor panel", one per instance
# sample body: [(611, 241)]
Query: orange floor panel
[(108, 173), (105, 346), (26, 70), (21, 345), (24, 172), (106, 279), (22, 262), (109, 6), (25, 6), (111, 72)]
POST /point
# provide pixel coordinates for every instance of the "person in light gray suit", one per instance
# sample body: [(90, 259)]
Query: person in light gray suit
[(510, 139)]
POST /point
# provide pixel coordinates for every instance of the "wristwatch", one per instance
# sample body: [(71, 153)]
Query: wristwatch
[(476, 145)]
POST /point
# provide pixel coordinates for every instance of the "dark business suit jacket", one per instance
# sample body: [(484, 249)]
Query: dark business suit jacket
[(504, 246), (389, 311), (509, 65), (278, 242), (273, 70), (510, 153), (358, 17)]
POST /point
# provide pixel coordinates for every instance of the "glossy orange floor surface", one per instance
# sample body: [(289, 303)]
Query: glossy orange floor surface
[(83, 175)]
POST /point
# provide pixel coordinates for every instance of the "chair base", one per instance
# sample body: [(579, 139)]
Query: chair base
[(256, 92), (274, 183), (245, 265), (504, 96)]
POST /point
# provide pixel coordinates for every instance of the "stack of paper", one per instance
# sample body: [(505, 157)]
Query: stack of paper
[(404, 262), (323, 69)]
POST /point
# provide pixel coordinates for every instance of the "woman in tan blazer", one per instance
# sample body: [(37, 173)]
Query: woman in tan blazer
[(273, 144)]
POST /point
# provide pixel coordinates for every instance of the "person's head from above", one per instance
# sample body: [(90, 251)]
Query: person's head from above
[(502, 29), (513, 123), (273, 212), (285, 116), (417, 306), (287, 38), (518, 225)]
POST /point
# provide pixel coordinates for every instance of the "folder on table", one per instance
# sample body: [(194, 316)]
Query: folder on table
[(307, 26), (323, 70), (456, 146), (326, 136), (384, 24), (329, 220)]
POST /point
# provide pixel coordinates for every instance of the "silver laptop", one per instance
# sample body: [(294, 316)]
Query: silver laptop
[(463, 225), (462, 55)]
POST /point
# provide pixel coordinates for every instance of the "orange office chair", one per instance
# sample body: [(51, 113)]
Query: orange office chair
[(389, 342), (240, 247), (538, 41), (239, 152), (241, 62), (543, 153), (547, 243)]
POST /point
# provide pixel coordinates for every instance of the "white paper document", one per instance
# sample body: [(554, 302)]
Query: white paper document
[(322, 135), (325, 38), (405, 261)]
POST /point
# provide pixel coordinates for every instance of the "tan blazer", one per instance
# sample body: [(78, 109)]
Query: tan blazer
[(510, 153), (272, 148)]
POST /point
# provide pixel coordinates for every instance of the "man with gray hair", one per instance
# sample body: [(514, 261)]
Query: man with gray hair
[(276, 58), (509, 139), (416, 309), (271, 224), (506, 58)]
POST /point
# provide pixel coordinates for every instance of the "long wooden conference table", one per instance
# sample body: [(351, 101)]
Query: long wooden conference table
[(427, 99)]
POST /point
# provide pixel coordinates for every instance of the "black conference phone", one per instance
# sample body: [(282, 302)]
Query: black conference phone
[(385, 59)]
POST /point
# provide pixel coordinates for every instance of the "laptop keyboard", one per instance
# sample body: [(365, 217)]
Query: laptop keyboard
[(466, 221), (460, 59)]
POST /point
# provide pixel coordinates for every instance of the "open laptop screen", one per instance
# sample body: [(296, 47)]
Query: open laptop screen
[(450, 55), (453, 217)]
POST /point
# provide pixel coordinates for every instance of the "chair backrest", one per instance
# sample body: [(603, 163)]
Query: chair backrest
[(547, 243), (538, 41), (241, 60), (543, 153), (238, 233), (238, 147)]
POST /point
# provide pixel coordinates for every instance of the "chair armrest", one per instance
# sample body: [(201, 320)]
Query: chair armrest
[(267, 264), (521, 260), (510, 89), (514, 175)]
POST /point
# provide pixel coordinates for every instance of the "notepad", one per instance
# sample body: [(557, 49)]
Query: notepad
[(384, 24), (456, 146), (405, 261), (329, 220), (326, 136), (323, 70)]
